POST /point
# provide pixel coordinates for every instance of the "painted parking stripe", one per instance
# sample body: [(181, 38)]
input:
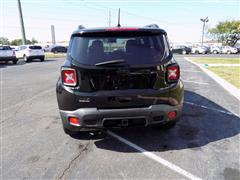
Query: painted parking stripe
[(155, 157), (194, 71), (213, 109), (196, 82)]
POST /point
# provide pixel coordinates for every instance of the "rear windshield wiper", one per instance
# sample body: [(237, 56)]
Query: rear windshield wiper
[(106, 63)]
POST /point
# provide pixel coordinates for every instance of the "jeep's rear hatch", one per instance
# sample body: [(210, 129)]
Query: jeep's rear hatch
[(122, 67)]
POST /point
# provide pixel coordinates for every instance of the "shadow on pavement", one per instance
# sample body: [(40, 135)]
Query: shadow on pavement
[(197, 127)]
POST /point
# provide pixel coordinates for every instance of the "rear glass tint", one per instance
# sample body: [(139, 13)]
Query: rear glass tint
[(146, 49), (5, 48), (35, 47)]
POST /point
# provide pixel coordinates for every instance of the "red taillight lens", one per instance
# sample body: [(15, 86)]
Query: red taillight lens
[(172, 115), (69, 77), (73, 121), (173, 73)]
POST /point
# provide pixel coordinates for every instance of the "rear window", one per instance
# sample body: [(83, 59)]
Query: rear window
[(35, 47), (146, 49), (5, 48)]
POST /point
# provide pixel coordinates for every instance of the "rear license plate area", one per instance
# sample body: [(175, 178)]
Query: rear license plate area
[(125, 122)]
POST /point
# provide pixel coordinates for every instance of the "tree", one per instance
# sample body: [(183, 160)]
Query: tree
[(34, 41), (4, 41), (227, 32), (18, 42)]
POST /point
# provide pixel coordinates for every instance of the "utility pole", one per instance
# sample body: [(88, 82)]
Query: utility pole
[(53, 34), (119, 25), (21, 22), (109, 19), (204, 22)]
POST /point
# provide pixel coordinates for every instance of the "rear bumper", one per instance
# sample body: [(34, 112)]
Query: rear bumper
[(10, 58), (36, 56), (93, 118)]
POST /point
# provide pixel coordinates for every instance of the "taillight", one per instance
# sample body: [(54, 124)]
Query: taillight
[(173, 73), (69, 77), (172, 115), (73, 121)]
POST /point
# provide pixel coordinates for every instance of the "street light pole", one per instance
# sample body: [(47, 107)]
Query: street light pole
[(53, 34), (204, 21), (21, 22)]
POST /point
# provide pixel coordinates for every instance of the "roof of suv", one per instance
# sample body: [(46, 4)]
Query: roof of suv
[(118, 29)]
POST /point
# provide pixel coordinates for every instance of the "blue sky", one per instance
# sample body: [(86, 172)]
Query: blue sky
[(180, 18)]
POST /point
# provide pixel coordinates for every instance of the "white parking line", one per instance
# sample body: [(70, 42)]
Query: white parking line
[(194, 71), (196, 82), (155, 157), (213, 109), (216, 65)]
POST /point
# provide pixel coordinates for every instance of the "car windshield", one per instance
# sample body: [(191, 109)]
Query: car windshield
[(5, 48), (35, 47), (133, 50)]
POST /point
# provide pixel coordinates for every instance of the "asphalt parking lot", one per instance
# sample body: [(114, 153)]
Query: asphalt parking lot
[(204, 144)]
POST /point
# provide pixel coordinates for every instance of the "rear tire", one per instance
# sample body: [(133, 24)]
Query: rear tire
[(184, 52), (228, 52), (15, 61), (26, 59), (215, 52), (70, 133), (197, 52), (169, 125), (166, 126)]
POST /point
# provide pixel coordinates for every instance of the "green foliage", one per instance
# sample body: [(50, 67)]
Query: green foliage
[(34, 41), (4, 41), (227, 32), (17, 42)]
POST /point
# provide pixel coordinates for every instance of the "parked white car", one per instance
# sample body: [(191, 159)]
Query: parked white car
[(229, 50), (29, 52), (7, 54), (215, 50), (199, 50)]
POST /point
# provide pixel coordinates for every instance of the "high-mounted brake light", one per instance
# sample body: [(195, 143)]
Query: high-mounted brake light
[(121, 29), (69, 77), (173, 73)]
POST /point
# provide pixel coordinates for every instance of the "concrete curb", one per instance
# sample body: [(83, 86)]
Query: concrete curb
[(226, 85)]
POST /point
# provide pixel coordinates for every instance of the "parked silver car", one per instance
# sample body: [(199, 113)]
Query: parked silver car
[(7, 54), (229, 50), (215, 50), (199, 50)]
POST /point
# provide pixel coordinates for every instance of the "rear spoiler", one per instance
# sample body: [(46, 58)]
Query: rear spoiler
[(81, 27), (155, 26)]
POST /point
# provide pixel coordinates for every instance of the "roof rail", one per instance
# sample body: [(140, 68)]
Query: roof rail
[(152, 26), (81, 27)]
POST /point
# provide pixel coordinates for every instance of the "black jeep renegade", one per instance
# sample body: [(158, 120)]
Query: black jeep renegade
[(119, 77)]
